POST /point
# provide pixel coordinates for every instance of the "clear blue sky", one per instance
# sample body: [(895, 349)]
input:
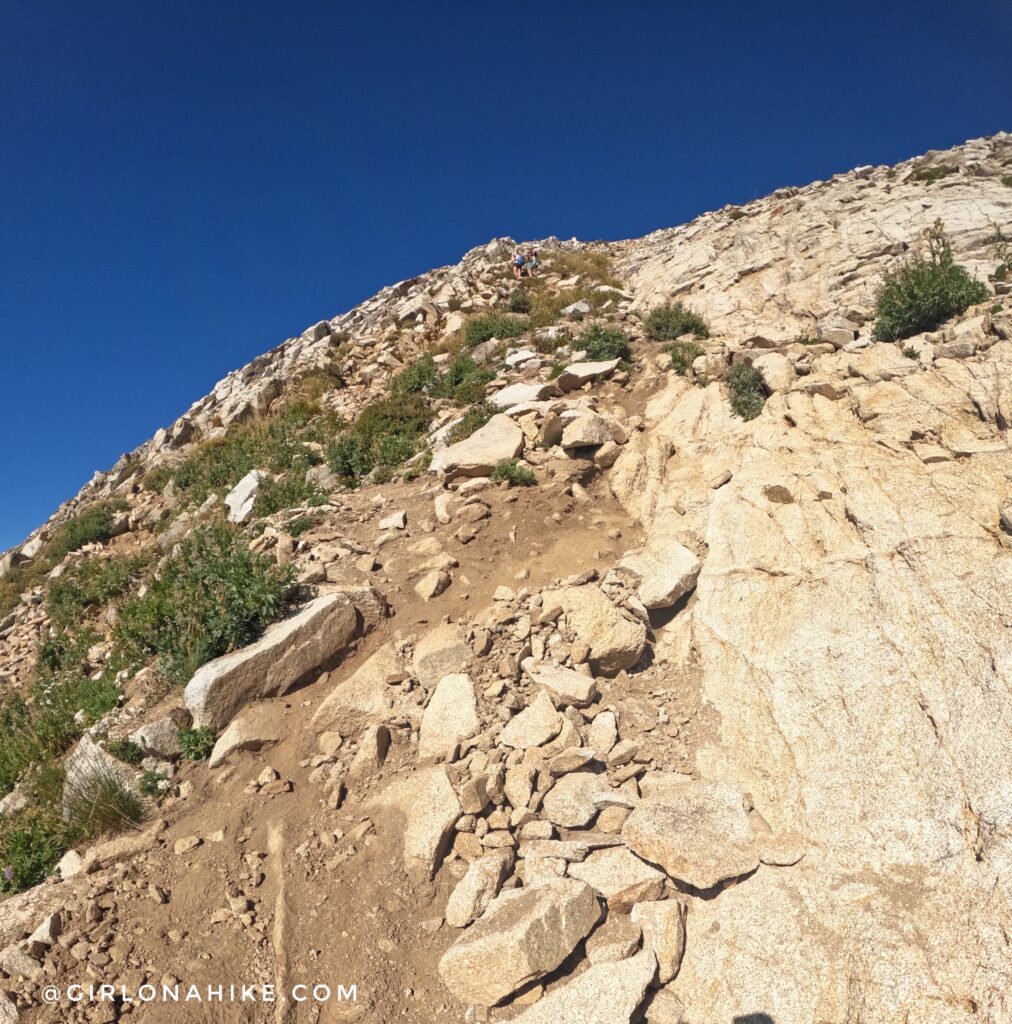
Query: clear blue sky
[(184, 185)]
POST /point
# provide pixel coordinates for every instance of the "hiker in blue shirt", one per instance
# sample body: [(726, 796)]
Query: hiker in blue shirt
[(518, 263)]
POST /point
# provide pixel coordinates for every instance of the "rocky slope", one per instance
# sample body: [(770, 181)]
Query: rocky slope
[(713, 724)]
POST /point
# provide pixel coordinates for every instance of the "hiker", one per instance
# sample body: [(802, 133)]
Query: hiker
[(532, 262), (518, 263)]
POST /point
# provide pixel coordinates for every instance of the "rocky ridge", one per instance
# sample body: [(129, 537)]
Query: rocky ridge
[(712, 723)]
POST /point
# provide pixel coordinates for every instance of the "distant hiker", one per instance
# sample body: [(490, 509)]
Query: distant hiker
[(532, 262), (518, 262)]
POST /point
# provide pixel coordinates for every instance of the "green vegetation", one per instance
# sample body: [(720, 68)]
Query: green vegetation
[(666, 323), (474, 419), (385, 435), (1002, 251), (284, 492), (298, 526), (196, 744), (520, 301), (1006, 179), (926, 173), (483, 328), (125, 750), (588, 263), (32, 842), (152, 784), (601, 343), (736, 213), (94, 581), (748, 394), (516, 474), (683, 353), (462, 380), (212, 597), (923, 293)]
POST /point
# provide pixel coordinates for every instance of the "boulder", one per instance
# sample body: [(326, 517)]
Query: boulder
[(476, 890), (161, 737), (523, 935), (284, 656), (586, 431), (501, 438), (608, 993), (450, 717), (620, 877), (699, 833), (616, 641), (441, 652), (663, 925), (576, 375), (665, 572), (777, 371), (242, 499), (426, 808), (577, 797), (519, 394), (618, 938), (566, 687), (534, 726), (254, 728), (361, 700)]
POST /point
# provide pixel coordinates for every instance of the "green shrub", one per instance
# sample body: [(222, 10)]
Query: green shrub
[(666, 323), (385, 435), (603, 343), (415, 379), (520, 301), (589, 263), (125, 750), (514, 472), (483, 328), (31, 845), (157, 479), (196, 744), (1006, 180), (152, 784), (923, 293), (463, 380), (926, 173), (298, 526), (349, 458), (287, 491), (94, 581), (212, 597), (99, 803), (683, 354), (748, 395), (474, 419), (736, 213)]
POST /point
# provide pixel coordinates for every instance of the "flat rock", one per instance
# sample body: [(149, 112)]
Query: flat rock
[(587, 431), (608, 993), (523, 935), (242, 499), (566, 687), (285, 655), (441, 652), (254, 728), (450, 717), (501, 438), (476, 890), (361, 700), (427, 808), (576, 798), (700, 834), (518, 394), (665, 573), (616, 641), (618, 938), (620, 877), (576, 375), (534, 726), (663, 925)]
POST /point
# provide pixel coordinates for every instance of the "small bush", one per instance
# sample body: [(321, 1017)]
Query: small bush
[(298, 526), (474, 419), (212, 597), (463, 380), (385, 435), (1006, 180), (748, 395), (602, 343), (99, 803), (483, 328), (416, 379), (31, 845), (95, 581), (520, 301), (287, 491), (196, 744), (683, 354), (923, 293), (589, 263), (666, 323), (157, 479), (926, 173), (125, 750), (736, 213), (516, 474), (152, 784)]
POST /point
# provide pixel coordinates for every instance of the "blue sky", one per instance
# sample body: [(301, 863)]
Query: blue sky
[(184, 185)]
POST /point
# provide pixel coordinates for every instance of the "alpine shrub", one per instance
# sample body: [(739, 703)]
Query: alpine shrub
[(673, 320)]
